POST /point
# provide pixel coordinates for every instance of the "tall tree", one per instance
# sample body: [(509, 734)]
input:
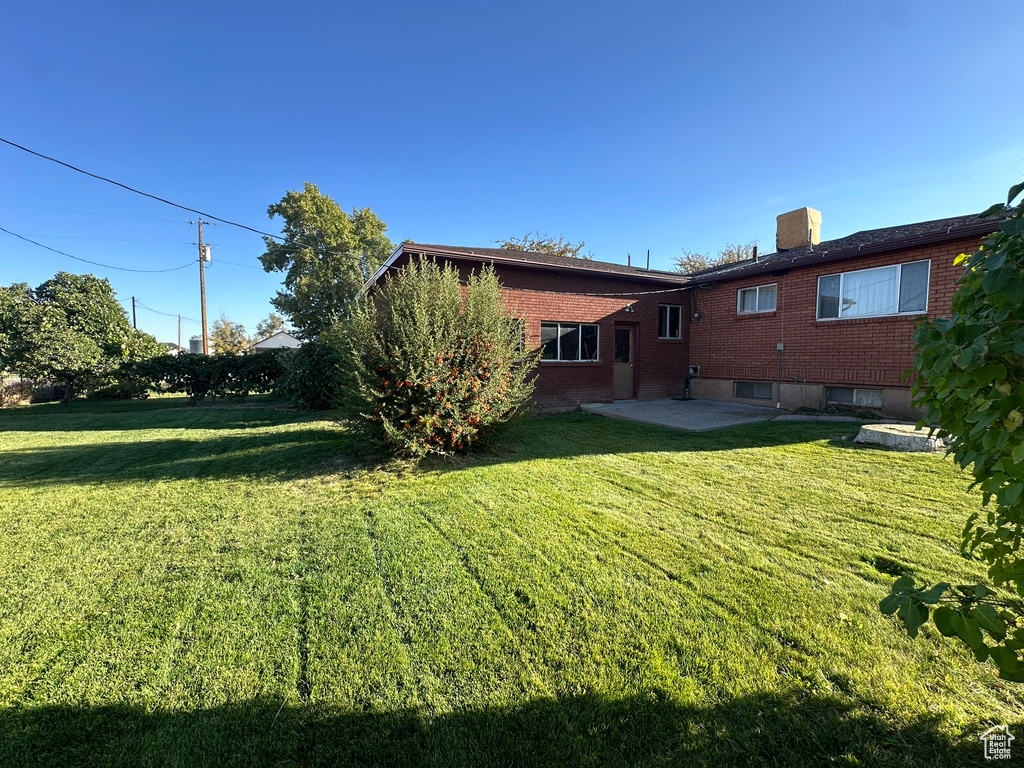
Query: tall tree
[(327, 255), (228, 338), (692, 261), (70, 330), (268, 327), (537, 243)]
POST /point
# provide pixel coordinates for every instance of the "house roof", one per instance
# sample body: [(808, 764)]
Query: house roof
[(531, 259), (858, 244), (275, 335), (861, 243)]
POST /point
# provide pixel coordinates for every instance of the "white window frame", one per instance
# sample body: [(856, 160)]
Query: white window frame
[(757, 298), (579, 348), (668, 320), (899, 280)]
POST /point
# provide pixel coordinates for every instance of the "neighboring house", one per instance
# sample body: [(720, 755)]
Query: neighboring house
[(279, 340), (814, 323)]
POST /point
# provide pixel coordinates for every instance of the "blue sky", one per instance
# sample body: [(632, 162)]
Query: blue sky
[(661, 126)]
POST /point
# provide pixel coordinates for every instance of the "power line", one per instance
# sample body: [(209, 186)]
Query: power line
[(87, 261), (113, 239), (137, 191), (92, 213), (235, 264), (166, 314)]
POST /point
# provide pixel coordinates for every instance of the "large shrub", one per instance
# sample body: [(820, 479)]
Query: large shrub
[(436, 365), (316, 372), (971, 382)]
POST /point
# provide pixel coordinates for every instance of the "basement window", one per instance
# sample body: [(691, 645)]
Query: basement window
[(901, 289), (670, 321), (754, 390), (759, 299), (569, 342), (872, 398)]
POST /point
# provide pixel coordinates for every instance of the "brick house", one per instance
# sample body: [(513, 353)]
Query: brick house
[(825, 322), (811, 324), (598, 323)]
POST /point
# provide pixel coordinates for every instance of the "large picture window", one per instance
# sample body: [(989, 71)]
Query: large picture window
[(758, 299), (897, 290), (569, 342), (670, 321)]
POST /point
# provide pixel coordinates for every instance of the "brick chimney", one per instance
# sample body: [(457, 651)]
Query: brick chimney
[(797, 228)]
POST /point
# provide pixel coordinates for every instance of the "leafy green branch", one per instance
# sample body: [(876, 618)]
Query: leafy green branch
[(968, 377)]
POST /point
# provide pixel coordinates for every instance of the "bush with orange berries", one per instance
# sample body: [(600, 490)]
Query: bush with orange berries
[(437, 362)]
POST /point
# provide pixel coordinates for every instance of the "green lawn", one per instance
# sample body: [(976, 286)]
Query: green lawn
[(230, 585)]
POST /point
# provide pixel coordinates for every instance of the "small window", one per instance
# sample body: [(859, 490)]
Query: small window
[(870, 398), (569, 342), (896, 290), (759, 299), (670, 317), (755, 390)]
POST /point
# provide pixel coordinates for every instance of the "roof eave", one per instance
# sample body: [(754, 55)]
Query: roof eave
[(681, 281), (826, 257)]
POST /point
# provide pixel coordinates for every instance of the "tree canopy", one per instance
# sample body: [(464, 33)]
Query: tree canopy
[(970, 381), (268, 327), (228, 338), (327, 255), (70, 330), (537, 243), (692, 261)]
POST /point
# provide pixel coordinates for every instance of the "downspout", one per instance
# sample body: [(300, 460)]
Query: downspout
[(778, 377)]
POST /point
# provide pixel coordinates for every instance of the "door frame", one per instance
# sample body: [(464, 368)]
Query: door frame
[(634, 329)]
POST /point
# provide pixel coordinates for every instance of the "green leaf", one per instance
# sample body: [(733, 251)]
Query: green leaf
[(967, 630), (932, 595), (1015, 190), (1013, 226), (914, 614), (981, 652), (903, 584), (1004, 658), (1018, 454), (992, 210), (988, 619), (943, 618), (891, 603)]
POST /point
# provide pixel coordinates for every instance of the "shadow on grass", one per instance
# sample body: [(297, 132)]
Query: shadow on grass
[(313, 446), (573, 434), (586, 730), (156, 413), (279, 455)]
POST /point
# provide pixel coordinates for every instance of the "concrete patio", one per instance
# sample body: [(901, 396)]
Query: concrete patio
[(691, 415)]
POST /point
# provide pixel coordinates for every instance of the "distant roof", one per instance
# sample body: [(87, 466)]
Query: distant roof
[(533, 259), (275, 335), (859, 243)]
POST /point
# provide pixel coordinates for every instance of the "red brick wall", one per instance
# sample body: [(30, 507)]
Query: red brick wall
[(871, 352), (538, 295)]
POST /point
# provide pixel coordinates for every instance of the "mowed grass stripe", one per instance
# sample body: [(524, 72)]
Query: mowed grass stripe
[(219, 586)]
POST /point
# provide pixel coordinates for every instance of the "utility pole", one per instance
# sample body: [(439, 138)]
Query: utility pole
[(179, 334), (202, 284), (134, 324)]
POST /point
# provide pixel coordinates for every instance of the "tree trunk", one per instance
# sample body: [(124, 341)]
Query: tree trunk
[(67, 395)]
